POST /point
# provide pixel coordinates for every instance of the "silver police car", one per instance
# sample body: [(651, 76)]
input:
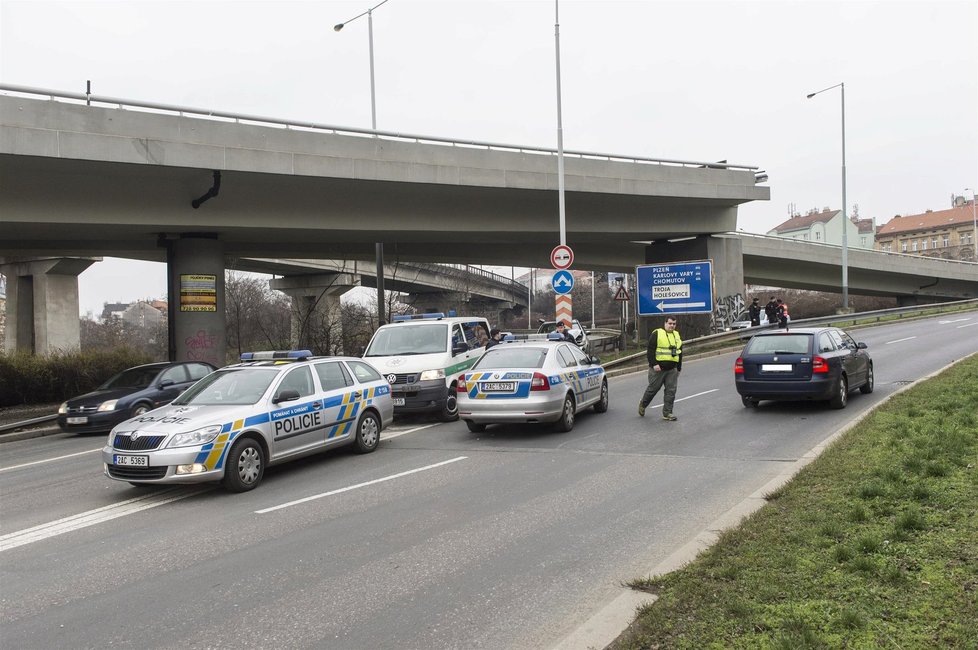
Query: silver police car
[(270, 408), (533, 380)]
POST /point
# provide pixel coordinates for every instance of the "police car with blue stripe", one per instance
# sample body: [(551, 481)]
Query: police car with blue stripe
[(270, 408), (537, 379)]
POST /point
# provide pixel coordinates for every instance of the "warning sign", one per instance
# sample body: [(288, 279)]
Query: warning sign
[(622, 294)]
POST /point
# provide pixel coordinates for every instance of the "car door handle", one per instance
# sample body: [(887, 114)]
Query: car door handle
[(356, 394)]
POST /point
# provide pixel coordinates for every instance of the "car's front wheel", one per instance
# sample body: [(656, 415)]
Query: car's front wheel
[(139, 409), (867, 388), (566, 421), (841, 396), (245, 465), (368, 434), (601, 405)]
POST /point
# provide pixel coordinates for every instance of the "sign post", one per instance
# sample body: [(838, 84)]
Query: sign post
[(675, 288)]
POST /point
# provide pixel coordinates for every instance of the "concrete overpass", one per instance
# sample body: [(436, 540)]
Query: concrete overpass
[(128, 180)]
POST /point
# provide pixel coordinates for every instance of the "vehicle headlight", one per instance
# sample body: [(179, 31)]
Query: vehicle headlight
[(108, 405), (194, 438), (63, 408), (432, 374)]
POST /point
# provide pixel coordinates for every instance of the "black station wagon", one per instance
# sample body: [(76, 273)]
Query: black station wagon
[(804, 364)]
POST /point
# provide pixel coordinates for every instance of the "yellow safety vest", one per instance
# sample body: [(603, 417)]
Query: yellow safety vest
[(664, 343)]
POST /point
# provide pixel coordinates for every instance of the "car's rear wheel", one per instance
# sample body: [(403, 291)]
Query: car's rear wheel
[(566, 421), (867, 388), (602, 404), (841, 396), (368, 433), (449, 412), (245, 465), (475, 427), (749, 402)]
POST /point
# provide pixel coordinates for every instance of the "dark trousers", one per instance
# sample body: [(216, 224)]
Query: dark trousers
[(658, 379)]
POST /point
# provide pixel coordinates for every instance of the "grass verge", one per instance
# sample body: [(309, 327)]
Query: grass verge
[(872, 545)]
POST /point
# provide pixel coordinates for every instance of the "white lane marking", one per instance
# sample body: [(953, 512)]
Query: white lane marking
[(359, 485), (49, 460), (968, 325), (948, 322), (683, 399), (405, 432), (900, 340), (93, 517)]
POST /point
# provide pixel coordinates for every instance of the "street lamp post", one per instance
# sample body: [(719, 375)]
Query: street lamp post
[(974, 221), (379, 246), (845, 218)]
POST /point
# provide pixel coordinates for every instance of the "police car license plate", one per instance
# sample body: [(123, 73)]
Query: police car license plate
[(81, 420), (498, 386), (398, 401), (131, 461)]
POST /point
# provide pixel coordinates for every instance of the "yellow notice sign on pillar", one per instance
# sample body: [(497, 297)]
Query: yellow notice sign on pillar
[(198, 293)]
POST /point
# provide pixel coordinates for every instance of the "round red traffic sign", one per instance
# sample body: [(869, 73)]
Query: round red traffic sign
[(562, 257)]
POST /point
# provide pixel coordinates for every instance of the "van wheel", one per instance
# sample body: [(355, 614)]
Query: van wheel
[(841, 396), (475, 427), (368, 434), (602, 404), (566, 421), (450, 412), (245, 466), (867, 388)]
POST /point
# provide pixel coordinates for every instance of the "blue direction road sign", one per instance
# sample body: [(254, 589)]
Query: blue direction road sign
[(562, 282), (675, 288)]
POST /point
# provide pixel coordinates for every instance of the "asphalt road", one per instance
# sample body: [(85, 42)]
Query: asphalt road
[(505, 539)]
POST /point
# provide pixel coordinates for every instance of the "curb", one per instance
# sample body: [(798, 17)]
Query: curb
[(608, 623)]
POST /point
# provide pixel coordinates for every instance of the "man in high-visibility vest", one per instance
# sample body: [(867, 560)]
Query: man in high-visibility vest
[(665, 356)]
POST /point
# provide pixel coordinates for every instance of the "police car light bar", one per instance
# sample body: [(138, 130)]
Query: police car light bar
[(510, 338), (275, 354), (406, 317)]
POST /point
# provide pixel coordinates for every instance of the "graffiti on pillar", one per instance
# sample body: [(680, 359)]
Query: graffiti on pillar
[(201, 347), (725, 311)]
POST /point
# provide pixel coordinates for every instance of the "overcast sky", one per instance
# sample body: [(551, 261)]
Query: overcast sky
[(690, 80)]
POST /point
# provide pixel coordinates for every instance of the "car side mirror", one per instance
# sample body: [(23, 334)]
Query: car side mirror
[(861, 345), (166, 382), (287, 395), (459, 348), (593, 360)]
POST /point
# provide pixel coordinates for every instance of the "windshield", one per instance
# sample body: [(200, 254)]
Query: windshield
[(235, 387), (511, 357), (550, 326), (780, 344), (133, 378), (400, 340)]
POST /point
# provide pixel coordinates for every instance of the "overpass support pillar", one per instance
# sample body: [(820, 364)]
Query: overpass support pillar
[(317, 322), (195, 298), (727, 254), (42, 304)]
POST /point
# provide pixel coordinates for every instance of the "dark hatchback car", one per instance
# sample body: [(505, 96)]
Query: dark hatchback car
[(823, 363), (130, 393)]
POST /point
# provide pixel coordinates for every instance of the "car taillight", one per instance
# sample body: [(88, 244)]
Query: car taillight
[(539, 382), (739, 366), (460, 386), (820, 365)]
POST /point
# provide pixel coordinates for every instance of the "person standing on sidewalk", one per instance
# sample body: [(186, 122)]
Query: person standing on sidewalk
[(665, 356)]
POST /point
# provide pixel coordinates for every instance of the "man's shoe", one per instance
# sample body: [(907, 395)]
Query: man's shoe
[(641, 411), (670, 417)]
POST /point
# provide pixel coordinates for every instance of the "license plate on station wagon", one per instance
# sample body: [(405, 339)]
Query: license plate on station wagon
[(498, 386), (776, 367), (131, 461)]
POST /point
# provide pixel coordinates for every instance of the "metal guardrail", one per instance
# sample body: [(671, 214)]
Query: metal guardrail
[(88, 98), (26, 423), (741, 334)]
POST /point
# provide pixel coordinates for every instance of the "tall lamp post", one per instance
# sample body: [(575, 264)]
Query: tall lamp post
[(974, 220), (845, 218), (379, 246)]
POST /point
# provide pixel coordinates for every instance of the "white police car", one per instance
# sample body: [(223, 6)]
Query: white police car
[(270, 408), (535, 380)]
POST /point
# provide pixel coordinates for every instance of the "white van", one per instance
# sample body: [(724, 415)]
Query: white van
[(421, 356)]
